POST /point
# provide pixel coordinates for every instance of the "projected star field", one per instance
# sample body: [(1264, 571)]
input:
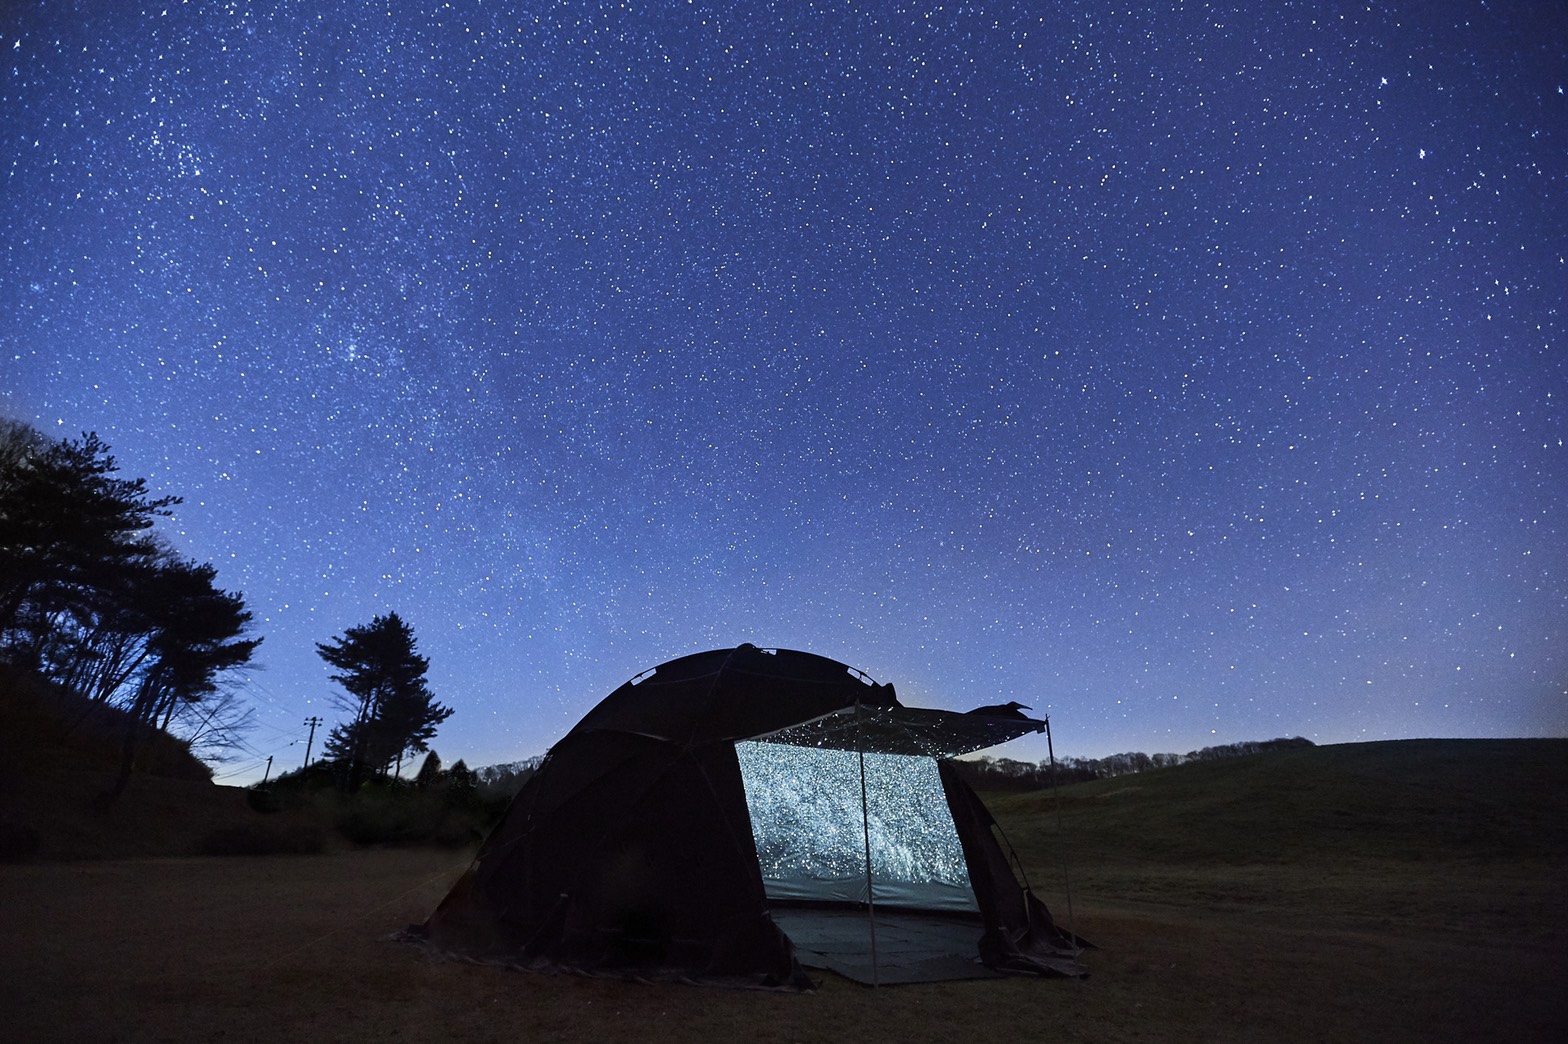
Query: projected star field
[(1191, 373)]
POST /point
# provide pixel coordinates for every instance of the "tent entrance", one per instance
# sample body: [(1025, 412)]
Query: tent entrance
[(814, 827), (860, 858), (816, 816)]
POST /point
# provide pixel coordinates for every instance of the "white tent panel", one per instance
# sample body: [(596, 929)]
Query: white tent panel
[(806, 820)]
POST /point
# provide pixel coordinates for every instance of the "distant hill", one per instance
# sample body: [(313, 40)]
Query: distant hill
[(1402, 799), (1445, 836), (58, 753)]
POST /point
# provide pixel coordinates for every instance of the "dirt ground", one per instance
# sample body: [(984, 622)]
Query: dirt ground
[(295, 948)]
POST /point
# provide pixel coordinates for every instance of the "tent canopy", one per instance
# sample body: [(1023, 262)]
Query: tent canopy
[(903, 730), (639, 845)]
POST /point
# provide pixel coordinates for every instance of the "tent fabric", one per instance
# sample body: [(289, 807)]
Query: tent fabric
[(1020, 934), (903, 730), (630, 851), (733, 694)]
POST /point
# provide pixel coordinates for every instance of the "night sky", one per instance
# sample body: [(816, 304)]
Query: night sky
[(1191, 373)]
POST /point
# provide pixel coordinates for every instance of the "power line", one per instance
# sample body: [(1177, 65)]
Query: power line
[(249, 766)]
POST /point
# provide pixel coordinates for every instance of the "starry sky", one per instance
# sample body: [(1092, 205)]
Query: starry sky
[(1190, 372)]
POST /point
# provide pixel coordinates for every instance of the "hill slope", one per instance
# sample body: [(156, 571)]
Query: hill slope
[(1412, 798), (58, 755), (1444, 833)]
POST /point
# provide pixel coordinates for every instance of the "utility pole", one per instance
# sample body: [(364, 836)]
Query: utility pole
[(312, 721), (267, 773)]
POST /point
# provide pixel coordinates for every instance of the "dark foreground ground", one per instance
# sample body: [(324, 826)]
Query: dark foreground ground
[(1403, 903)]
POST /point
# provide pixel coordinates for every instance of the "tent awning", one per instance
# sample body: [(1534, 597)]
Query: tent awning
[(903, 730)]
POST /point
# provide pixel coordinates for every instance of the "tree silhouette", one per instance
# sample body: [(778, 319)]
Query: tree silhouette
[(429, 773), (393, 712), (69, 529), (93, 600), (194, 636)]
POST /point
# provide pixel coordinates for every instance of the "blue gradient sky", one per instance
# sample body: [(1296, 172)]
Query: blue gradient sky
[(1192, 373)]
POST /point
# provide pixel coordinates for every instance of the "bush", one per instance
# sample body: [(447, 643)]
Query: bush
[(383, 815), (385, 810)]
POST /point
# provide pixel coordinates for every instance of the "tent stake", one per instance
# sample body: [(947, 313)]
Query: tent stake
[(865, 830)]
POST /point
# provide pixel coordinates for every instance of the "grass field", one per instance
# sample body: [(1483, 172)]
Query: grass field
[(1400, 891)]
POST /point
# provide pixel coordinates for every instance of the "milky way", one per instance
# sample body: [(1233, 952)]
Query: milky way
[(1192, 374)]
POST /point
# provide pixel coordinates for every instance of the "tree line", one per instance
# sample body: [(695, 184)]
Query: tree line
[(95, 601), (1009, 774)]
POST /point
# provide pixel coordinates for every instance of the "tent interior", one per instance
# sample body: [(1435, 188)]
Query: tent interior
[(914, 916), (861, 860)]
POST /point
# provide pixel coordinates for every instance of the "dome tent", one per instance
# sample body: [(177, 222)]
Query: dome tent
[(733, 814)]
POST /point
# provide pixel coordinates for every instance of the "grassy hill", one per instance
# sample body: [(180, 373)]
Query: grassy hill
[(1406, 799), (59, 754), (1353, 832)]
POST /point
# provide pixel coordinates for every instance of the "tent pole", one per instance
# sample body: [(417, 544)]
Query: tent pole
[(865, 830), (1056, 794)]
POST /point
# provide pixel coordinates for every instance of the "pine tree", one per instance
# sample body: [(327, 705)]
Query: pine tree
[(429, 773), (392, 710), (68, 526)]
